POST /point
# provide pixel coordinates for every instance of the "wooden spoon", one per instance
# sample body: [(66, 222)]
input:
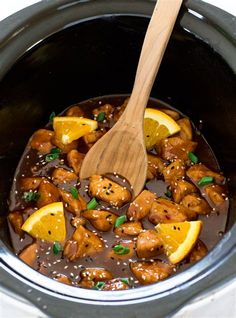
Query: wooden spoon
[(122, 149)]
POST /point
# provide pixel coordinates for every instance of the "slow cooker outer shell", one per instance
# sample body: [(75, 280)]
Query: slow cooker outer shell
[(18, 34)]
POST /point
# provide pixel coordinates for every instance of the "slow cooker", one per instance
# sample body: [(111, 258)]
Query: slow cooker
[(56, 53)]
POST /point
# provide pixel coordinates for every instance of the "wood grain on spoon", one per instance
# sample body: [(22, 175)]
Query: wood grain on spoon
[(122, 149)]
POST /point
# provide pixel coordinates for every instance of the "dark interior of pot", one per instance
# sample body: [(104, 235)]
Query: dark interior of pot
[(99, 57)]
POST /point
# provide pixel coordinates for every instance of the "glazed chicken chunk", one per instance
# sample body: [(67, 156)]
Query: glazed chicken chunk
[(75, 111), (148, 244), (107, 109), (16, 220), (216, 194), (198, 252), (90, 276), (127, 244), (115, 284), (73, 205), (93, 137), (75, 159), (175, 170), (155, 166), (141, 206), (106, 190), (42, 141), (181, 188), (30, 183), (186, 132), (48, 193), (151, 272), (29, 254), (196, 204), (129, 228), (198, 171), (101, 220), (62, 176)]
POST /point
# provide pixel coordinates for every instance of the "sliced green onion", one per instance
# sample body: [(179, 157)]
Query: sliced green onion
[(30, 196), (101, 116), (74, 192), (92, 204), (120, 220), (99, 285), (121, 250), (57, 248), (51, 117), (205, 180), (168, 193), (193, 157), (125, 280), (55, 151), (53, 155)]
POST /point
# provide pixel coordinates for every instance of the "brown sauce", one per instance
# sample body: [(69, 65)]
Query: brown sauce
[(48, 263)]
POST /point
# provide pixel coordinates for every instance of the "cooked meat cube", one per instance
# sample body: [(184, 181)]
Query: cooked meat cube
[(16, 220), (121, 257), (129, 228), (73, 205), (196, 204), (151, 272), (93, 137), (77, 220), (120, 109), (186, 132), (175, 170), (62, 176), (75, 111), (175, 148), (198, 171), (101, 220), (173, 114), (165, 211), (96, 274), (42, 141), (84, 283), (115, 284), (107, 109), (63, 279), (181, 188), (29, 254), (141, 206), (155, 166), (75, 160), (198, 252), (48, 193), (65, 148), (148, 244), (30, 183), (108, 191), (83, 243), (216, 194)]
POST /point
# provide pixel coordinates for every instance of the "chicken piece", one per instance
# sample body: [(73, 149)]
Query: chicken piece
[(155, 166), (101, 220), (198, 171), (65, 148), (215, 194), (62, 176), (75, 111), (106, 190), (151, 272), (93, 137), (96, 274), (73, 205), (33, 183), (186, 132), (122, 257), (173, 114), (16, 220), (75, 160), (148, 244), (85, 283), (115, 284), (181, 188), (42, 141), (175, 170), (29, 254), (165, 211), (198, 252), (77, 220), (141, 206), (196, 204), (48, 193), (107, 109), (120, 109), (175, 148), (129, 228), (63, 279), (83, 243)]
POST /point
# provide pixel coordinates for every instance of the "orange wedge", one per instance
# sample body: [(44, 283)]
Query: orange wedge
[(158, 126), (179, 238), (47, 223), (68, 129)]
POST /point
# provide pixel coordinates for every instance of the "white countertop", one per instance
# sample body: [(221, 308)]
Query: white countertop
[(219, 304)]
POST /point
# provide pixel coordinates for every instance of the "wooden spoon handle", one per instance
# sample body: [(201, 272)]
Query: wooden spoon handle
[(155, 42)]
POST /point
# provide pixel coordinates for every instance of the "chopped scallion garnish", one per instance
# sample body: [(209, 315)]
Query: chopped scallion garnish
[(205, 180), (125, 280), (193, 157), (101, 116), (30, 196), (92, 204), (57, 248), (121, 250), (99, 285), (51, 117), (53, 155), (74, 192), (168, 193), (120, 220)]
